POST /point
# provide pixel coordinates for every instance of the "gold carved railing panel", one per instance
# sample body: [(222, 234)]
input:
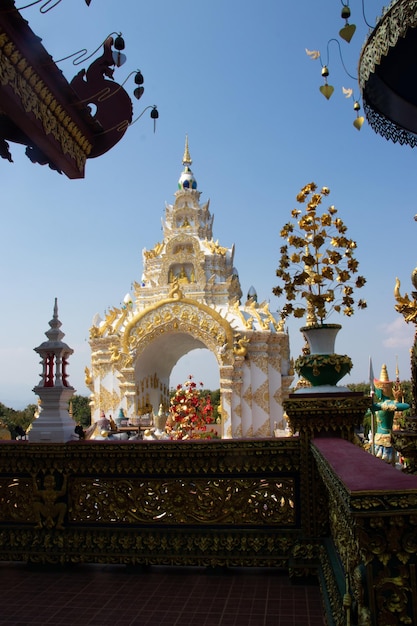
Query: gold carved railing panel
[(190, 503), (243, 501)]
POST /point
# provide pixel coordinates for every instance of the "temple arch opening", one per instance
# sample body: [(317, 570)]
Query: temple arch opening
[(199, 363), (154, 370)]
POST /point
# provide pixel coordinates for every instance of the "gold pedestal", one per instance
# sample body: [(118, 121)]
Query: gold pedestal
[(404, 441), (317, 414)]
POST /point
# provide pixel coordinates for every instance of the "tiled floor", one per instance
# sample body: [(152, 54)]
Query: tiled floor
[(113, 595)]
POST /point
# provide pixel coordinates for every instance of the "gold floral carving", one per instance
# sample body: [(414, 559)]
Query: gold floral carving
[(183, 501), (275, 362), (213, 325), (16, 497), (319, 362), (238, 410), (314, 413), (108, 400), (249, 432), (279, 396), (264, 430), (215, 503), (248, 396), (330, 588), (261, 361), (261, 396), (38, 100), (375, 537), (102, 368)]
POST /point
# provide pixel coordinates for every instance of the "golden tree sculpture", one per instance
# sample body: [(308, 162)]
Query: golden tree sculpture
[(317, 268)]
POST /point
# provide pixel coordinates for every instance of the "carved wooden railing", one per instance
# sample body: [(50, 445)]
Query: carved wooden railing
[(192, 503), (320, 506), (368, 562)]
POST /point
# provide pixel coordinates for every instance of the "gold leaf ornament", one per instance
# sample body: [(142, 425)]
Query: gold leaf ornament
[(358, 122), (347, 32), (327, 91)]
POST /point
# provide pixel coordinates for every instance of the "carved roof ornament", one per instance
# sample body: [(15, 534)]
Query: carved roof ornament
[(386, 70), (186, 159), (40, 109), (187, 180), (387, 67)]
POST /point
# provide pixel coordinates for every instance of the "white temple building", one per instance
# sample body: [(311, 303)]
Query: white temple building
[(189, 297)]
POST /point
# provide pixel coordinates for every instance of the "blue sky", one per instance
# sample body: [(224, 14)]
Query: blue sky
[(235, 77)]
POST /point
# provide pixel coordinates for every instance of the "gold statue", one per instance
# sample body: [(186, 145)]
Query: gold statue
[(46, 505), (88, 378), (115, 353), (408, 309), (405, 306), (183, 278), (240, 348)]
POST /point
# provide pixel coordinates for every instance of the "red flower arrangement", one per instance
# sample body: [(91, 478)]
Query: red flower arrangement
[(190, 412)]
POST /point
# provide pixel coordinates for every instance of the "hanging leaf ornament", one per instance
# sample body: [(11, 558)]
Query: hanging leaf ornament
[(347, 32), (358, 122), (327, 90)]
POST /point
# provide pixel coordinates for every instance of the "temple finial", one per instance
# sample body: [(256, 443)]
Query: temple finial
[(383, 377), (186, 159)]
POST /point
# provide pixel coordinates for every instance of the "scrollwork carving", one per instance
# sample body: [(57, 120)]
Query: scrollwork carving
[(37, 100), (184, 501)]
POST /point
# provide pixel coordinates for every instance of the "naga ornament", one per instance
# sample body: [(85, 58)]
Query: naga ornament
[(110, 105)]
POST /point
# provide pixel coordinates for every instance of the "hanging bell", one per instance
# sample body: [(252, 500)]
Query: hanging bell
[(119, 42), (326, 89), (138, 92), (345, 12), (358, 122), (154, 116), (138, 78)]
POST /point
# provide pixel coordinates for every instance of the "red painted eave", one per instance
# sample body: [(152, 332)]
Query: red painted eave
[(37, 104)]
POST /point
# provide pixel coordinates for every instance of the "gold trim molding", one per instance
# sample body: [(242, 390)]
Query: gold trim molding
[(37, 100)]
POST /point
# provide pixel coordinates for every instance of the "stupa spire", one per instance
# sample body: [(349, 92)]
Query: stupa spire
[(187, 180), (54, 423), (54, 333), (186, 159)]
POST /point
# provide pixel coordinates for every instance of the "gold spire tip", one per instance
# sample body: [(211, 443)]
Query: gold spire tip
[(186, 159)]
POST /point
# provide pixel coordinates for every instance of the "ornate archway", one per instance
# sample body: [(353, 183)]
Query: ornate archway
[(190, 297)]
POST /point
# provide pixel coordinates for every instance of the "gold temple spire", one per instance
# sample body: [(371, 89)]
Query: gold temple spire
[(383, 377), (186, 159)]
